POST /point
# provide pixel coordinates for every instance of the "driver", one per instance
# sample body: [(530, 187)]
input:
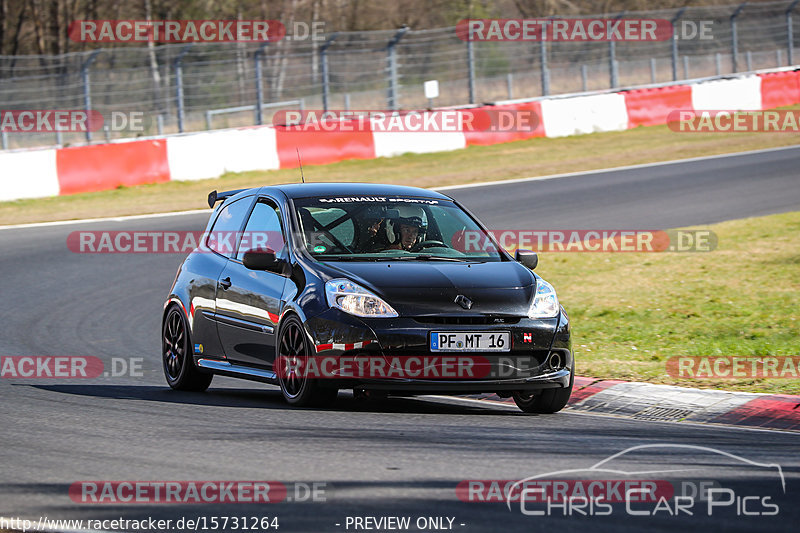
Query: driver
[(411, 232)]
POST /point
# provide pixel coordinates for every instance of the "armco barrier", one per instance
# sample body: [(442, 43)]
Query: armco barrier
[(779, 89), (106, 166), (49, 172), (650, 107), (28, 174)]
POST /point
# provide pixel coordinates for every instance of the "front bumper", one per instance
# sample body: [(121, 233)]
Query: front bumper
[(540, 354)]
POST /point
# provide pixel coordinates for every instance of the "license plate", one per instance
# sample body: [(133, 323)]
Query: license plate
[(469, 341)]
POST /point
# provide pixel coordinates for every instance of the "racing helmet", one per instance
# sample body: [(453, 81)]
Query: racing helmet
[(411, 216)]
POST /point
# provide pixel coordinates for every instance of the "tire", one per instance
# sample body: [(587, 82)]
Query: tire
[(176, 355), (298, 390), (546, 401)]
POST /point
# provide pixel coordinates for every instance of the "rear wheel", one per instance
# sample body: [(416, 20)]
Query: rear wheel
[(178, 365), (547, 400), (294, 349)]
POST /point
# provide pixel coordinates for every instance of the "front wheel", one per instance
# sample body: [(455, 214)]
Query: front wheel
[(178, 365), (294, 349), (545, 401)]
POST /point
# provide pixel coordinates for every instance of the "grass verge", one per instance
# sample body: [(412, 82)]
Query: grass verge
[(630, 312), (534, 157)]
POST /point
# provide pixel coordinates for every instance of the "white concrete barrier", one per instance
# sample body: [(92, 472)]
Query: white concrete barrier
[(741, 94), (584, 114), (28, 174), (389, 144), (209, 155)]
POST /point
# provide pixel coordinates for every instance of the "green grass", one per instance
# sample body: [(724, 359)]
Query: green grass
[(534, 157), (630, 312)]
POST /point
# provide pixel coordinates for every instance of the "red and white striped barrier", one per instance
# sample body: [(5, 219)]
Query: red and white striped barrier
[(647, 401), (196, 156)]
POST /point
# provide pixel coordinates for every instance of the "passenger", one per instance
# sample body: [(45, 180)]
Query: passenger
[(410, 232), (376, 233)]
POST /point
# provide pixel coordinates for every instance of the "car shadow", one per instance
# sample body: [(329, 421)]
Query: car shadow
[(273, 399)]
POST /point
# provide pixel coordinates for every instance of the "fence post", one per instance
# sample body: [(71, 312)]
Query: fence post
[(790, 32), (4, 139), (612, 57), (510, 85), (735, 37), (545, 68), (392, 58), (178, 66), (674, 44), (584, 78), (652, 70), (323, 59), (749, 58), (87, 92), (259, 87), (718, 61), (471, 70), (686, 67)]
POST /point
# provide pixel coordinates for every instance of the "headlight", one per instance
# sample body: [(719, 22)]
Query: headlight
[(545, 302), (356, 300)]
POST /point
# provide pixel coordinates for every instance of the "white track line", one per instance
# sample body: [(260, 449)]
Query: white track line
[(105, 219), (615, 169), (445, 188)]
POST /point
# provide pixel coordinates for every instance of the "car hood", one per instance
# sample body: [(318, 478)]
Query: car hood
[(425, 288)]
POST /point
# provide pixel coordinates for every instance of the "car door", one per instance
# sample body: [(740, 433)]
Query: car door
[(249, 302), (203, 268)]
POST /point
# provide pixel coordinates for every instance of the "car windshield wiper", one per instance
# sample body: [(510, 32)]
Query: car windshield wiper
[(393, 258), (429, 258), (344, 258)]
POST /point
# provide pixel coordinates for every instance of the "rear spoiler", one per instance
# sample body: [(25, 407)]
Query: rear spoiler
[(214, 196)]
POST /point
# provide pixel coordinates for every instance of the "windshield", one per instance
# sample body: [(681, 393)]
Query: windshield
[(376, 228)]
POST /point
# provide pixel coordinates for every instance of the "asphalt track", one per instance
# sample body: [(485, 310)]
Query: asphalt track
[(400, 457)]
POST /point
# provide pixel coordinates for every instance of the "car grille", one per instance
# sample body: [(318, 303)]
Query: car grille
[(466, 320)]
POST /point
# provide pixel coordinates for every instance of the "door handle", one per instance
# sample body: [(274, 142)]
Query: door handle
[(225, 283)]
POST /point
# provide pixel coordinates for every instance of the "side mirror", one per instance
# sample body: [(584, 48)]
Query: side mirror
[(262, 260), (527, 258)]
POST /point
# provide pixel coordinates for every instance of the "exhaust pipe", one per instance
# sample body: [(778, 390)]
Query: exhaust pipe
[(554, 361)]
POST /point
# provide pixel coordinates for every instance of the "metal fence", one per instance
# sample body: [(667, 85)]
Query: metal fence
[(177, 87)]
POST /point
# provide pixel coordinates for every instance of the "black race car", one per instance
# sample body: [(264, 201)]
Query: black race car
[(376, 288)]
